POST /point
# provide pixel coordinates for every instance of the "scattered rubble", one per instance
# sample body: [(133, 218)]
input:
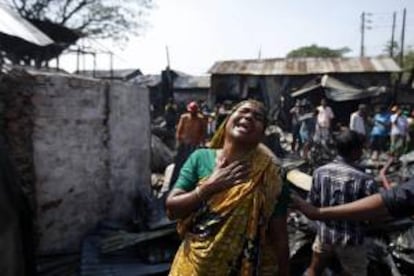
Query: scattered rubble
[(161, 155)]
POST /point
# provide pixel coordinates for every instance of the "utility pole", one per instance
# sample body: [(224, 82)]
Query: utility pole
[(168, 56), (402, 38), (362, 33), (364, 26), (78, 59), (167, 78), (259, 56), (94, 65), (111, 64), (392, 46)]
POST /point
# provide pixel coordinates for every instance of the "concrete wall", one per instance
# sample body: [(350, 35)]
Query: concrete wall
[(82, 147), (129, 146)]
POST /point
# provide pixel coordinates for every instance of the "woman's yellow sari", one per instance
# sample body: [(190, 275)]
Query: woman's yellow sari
[(228, 235)]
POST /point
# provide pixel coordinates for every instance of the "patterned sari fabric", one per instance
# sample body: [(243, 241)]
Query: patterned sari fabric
[(228, 234)]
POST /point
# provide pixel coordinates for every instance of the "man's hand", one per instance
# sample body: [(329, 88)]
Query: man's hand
[(303, 206)]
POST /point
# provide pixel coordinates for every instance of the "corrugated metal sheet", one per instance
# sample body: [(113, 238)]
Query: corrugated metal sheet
[(13, 24), (303, 66), (189, 82), (122, 74), (148, 80), (339, 91), (180, 82)]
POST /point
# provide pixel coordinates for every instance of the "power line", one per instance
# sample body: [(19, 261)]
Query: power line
[(375, 22)]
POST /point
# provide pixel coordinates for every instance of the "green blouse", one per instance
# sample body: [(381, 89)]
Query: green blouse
[(201, 164)]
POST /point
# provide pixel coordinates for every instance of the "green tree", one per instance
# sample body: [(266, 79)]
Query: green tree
[(94, 18), (409, 60), (318, 51), (393, 48)]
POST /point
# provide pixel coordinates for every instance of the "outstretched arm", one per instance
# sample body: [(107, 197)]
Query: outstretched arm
[(368, 208)]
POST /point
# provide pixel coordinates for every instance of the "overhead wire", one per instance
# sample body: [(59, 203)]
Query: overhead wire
[(378, 23)]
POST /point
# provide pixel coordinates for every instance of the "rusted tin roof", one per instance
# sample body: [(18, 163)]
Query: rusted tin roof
[(180, 82), (340, 91), (303, 66)]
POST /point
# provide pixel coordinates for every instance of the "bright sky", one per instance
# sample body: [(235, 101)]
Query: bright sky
[(198, 33)]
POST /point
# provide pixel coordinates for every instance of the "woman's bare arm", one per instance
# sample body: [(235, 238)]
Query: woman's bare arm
[(181, 203)]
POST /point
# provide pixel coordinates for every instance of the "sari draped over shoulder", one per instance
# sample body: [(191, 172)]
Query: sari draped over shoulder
[(228, 234)]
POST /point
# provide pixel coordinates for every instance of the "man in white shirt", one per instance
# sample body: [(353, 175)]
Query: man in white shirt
[(357, 120), (323, 121), (399, 130)]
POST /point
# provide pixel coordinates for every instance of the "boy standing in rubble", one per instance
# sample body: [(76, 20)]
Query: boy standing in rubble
[(333, 184)]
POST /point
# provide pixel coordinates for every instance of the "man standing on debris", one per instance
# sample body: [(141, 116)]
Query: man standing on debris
[(357, 121), (380, 132), (190, 134), (231, 204), (399, 131), (307, 130), (295, 113), (337, 183), (410, 142), (323, 122)]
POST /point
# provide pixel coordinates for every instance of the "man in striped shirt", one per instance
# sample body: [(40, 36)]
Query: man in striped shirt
[(337, 183)]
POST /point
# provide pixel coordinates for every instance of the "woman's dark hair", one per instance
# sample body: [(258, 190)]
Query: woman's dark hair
[(347, 141)]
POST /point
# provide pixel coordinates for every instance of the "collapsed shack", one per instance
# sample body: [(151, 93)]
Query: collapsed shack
[(343, 98), (183, 88), (274, 80)]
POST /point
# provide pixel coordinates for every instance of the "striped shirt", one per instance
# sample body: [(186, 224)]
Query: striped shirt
[(334, 184)]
